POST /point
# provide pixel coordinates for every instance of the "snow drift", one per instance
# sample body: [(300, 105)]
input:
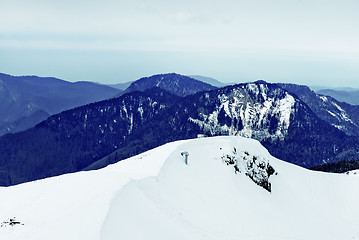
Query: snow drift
[(232, 188)]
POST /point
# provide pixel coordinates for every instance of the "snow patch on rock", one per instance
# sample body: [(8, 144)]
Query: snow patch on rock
[(239, 114), (255, 167)]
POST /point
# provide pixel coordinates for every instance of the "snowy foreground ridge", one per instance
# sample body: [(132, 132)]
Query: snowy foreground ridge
[(155, 195)]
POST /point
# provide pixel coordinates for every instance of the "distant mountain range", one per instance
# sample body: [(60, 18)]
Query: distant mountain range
[(27, 100), (351, 97), (94, 135), (23, 123), (211, 81), (174, 83), (208, 80), (318, 88), (121, 86)]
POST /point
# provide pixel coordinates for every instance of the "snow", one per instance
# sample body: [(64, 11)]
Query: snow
[(253, 88), (285, 109), (155, 195), (331, 113), (73, 206), (343, 114), (140, 110), (251, 114), (353, 172), (323, 98), (130, 128)]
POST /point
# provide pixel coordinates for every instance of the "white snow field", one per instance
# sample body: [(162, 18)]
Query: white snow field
[(156, 196)]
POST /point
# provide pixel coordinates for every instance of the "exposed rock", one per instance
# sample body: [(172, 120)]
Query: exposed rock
[(255, 167)]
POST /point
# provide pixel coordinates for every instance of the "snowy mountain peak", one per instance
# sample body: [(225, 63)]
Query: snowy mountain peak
[(254, 110)]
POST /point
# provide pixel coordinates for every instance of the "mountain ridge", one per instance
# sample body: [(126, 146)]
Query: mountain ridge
[(341, 115), (351, 97), (21, 96), (209, 80), (135, 122), (177, 84)]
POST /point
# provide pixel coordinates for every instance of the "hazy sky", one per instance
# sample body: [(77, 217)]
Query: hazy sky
[(311, 42)]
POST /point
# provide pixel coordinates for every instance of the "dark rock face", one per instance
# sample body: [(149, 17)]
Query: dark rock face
[(256, 168)]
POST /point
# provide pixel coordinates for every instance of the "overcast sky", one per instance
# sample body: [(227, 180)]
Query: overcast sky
[(311, 42)]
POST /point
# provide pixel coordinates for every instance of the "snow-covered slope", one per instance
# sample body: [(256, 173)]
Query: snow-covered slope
[(155, 195), (255, 110)]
